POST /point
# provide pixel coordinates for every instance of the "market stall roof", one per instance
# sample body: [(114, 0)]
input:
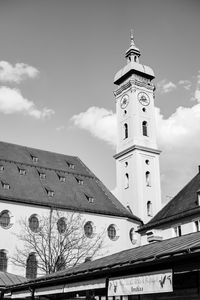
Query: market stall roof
[(155, 252), (7, 279)]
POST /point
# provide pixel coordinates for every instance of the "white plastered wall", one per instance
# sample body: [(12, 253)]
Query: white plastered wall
[(9, 240)]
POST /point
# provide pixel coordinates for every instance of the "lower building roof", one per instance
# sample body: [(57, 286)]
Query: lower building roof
[(7, 279), (155, 252)]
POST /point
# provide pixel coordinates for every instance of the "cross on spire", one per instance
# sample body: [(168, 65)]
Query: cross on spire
[(132, 38)]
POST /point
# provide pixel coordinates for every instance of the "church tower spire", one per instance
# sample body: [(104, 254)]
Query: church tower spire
[(137, 157), (133, 53)]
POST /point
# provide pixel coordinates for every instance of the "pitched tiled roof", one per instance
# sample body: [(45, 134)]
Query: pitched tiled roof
[(7, 279), (173, 247), (32, 189), (184, 204)]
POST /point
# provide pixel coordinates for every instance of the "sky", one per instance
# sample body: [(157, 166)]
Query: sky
[(57, 64)]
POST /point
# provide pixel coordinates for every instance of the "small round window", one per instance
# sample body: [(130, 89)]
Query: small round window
[(112, 232), (88, 229), (133, 236), (5, 219), (61, 225), (34, 223)]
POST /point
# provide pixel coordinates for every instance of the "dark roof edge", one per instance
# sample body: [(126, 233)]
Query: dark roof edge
[(183, 214), (60, 206)]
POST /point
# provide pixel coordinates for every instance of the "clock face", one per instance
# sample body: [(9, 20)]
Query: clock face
[(124, 101), (143, 98)]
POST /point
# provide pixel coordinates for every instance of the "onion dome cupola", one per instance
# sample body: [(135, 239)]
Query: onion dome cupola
[(133, 66)]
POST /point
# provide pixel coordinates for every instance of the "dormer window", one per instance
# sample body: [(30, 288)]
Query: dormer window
[(62, 178), (71, 166), (1, 168), (80, 181), (50, 193), (5, 185), (22, 171), (90, 199), (34, 159), (42, 175)]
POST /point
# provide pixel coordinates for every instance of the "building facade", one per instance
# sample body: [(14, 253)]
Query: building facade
[(38, 185)]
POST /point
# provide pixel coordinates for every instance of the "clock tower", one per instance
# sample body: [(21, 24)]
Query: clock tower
[(137, 157)]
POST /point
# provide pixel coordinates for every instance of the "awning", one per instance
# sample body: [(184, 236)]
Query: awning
[(85, 285), (21, 294), (50, 290), (71, 287)]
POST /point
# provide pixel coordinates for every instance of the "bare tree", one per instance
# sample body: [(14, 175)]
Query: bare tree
[(59, 242)]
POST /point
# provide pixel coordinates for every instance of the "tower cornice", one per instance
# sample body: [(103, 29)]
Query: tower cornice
[(134, 82), (136, 147)]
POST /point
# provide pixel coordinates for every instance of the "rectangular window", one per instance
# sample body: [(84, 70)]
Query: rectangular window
[(198, 198), (196, 225), (177, 230)]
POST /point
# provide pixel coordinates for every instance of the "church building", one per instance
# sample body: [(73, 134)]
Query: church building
[(35, 184)]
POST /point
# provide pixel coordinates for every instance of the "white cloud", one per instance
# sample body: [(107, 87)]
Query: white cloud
[(12, 101), (197, 90), (99, 122), (186, 84), (17, 73), (165, 86), (178, 138)]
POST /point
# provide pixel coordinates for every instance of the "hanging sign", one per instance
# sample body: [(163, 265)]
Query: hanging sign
[(149, 283)]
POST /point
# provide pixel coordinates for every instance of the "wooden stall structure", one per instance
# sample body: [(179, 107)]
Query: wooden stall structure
[(169, 269)]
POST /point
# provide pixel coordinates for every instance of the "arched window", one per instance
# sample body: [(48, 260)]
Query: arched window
[(133, 236), (112, 232), (3, 261), (125, 130), (149, 208), (31, 266), (148, 178), (126, 181), (144, 128), (5, 219), (61, 225), (89, 229), (34, 223)]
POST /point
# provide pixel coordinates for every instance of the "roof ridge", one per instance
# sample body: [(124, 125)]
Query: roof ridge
[(37, 149)]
